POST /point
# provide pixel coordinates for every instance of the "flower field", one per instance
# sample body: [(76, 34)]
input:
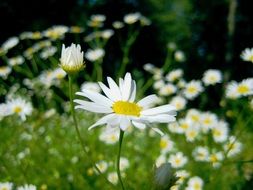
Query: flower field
[(76, 114)]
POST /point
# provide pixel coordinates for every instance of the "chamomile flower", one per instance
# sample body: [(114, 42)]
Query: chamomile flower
[(215, 158), (6, 186), (124, 163), (160, 160), (120, 107), (247, 55), (166, 144), (232, 147), (193, 89), (179, 56), (236, 90), (94, 55), (117, 24), (27, 187), (195, 183), (10, 43), (191, 133), (158, 84), (16, 61), (109, 136), (56, 32), (72, 58), (178, 160), (212, 77), (92, 86), (179, 102), (220, 132), (182, 175), (48, 52), (200, 153), (113, 177), (149, 67), (96, 20), (132, 18), (106, 34), (167, 90), (102, 166), (208, 121), (174, 75), (5, 71), (20, 107)]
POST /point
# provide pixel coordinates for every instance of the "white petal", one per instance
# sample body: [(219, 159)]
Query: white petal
[(139, 125), (127, 87), (124, 123), (147, 101), (158, 131), (133, 92), (102, 121), (96, 97), (93, 107), (107, 92), (114, 88), (158, 110), (162, 118)]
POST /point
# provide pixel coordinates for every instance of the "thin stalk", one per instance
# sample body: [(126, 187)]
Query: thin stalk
[(78, 132), (118, 159)]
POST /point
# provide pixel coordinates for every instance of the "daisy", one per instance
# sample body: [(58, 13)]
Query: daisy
[(5, 71), (113, 177), (10, 43), (191, 133), (179, 102), (174, 75), (182, 175), (109, 136), (16, 61), (92, 86), (195, 183), (166, 144), (216, 158), (20, 107), (193, 89), (120, 107), (167, 90), (6, 186), (94, 55), (132, 18), (72, 58), (212, 77), (220, 132), (102, 166), (27, 187), (124, 163), (160, 160), (56, 32), (4, 110), (247, 55), (178, 160), (48, 52), (106, 34), (237, 90), (179, 56), (117, 24), (232, 147), (200, 153)]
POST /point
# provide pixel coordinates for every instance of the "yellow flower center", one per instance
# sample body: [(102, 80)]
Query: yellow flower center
[(242, 89), (196, 186), (192, 90), (17, 109), (251, 58), (163, 144), (126, 108)]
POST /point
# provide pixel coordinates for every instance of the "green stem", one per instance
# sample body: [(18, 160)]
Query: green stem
[(78, 132), (118, 159)]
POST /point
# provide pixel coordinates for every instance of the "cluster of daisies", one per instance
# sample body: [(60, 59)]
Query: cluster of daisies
[(16, 106), (173, 85), (195, 131), (10, 186)]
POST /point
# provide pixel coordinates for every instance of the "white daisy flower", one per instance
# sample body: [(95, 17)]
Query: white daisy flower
[(58, 73), (160, 160), (27, 187), (247, 55), (195, 183), (113, 177), (179, 56), (6, 186), (220, 131), (16, 61), (106, 34), (179, 102), (149, 67), (109, 136), (208, 121), (211, 77), (119, 106), (102, 166), (132, 18), (20, 107), (4, 110), (182, 175), (166, 144), (178, 160), (233, 147), (158, 84), (56, 32), (216, 158), (193, 89), (201, 153), (194, 115), (92, 86), (124, 163), (10, 43), (72, 58), (5, 71), (174, 75), (98, 18), (48, 52), (94, 55), (191, 133), (236, 90), (117, 24), (167, 90)]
